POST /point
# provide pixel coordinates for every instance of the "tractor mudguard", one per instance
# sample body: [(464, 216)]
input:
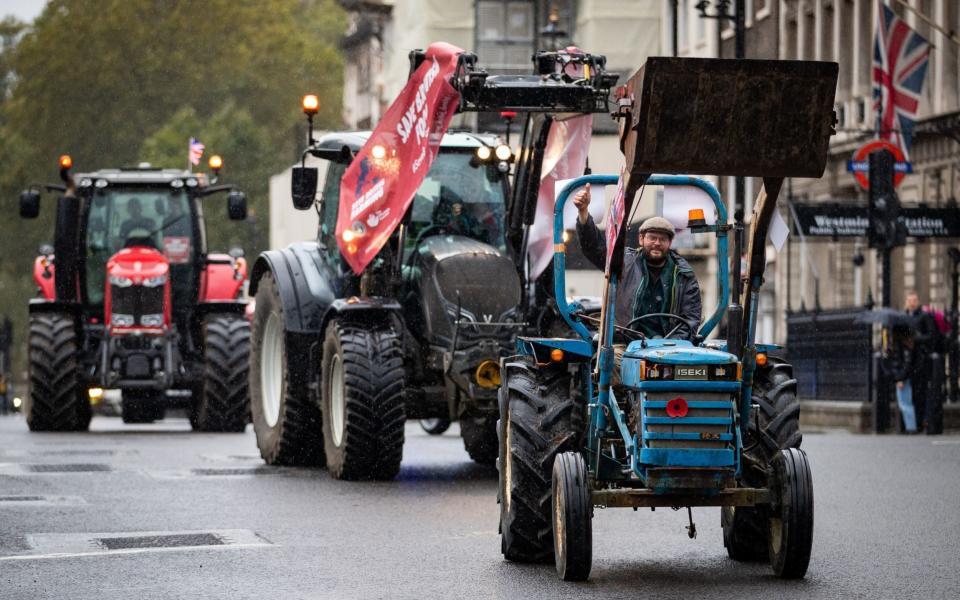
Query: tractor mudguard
[(540, 349), (224, 306), (305, 294), (41, 305)]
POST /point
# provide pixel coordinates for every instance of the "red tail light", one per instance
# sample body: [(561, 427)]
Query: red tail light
[(677, 408)]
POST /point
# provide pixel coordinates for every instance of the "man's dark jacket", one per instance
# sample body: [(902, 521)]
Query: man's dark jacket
[(684, 298)]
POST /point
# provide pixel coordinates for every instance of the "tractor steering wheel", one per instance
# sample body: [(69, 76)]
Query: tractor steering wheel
[(681, 322)]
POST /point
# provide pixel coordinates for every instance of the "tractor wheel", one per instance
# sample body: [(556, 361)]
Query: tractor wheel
[(572, 518), (480, 438), (287, 424), (435, 426), (362, 401), (141, 406), (224, 400), (58, 399), (791, 518), (777, 427), (539, 419)]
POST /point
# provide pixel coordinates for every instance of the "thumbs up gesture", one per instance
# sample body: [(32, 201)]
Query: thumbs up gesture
[(582, 202)]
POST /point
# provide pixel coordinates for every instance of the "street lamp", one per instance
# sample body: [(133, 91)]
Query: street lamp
[(553, 30)]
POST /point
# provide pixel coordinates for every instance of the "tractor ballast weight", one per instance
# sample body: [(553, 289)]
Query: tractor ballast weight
[(691, 424)]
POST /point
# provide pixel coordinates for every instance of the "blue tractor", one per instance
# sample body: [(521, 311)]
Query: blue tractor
[(692, 422)]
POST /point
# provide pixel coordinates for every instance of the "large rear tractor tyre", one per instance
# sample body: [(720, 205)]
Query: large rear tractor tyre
[(224, 403), (141, 406), (58, 399), (791, 518), (480, 438), (572, 518), (287, 425), (539, 419), (362, 380), (777, 427)]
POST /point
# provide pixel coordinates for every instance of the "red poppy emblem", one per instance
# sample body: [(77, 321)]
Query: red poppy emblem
[(677, 408)]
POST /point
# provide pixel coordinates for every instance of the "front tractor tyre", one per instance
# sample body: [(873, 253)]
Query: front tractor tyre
[(362, 380), (223, 402), (287, 424), (538, 420), (435, 426), (58, 399), (791, 515), (480, 438), (572, 518)]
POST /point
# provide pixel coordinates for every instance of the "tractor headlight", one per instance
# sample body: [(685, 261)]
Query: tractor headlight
[(654, 371), (121, 320), (152, 320), (155, 281), (730, 372), (120, 281)]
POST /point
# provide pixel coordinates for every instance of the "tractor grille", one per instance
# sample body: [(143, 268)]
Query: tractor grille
[(687, 432), (487, 284), (137, 301)]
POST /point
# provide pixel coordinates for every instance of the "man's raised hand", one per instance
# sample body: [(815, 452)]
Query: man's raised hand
[(582, 202)]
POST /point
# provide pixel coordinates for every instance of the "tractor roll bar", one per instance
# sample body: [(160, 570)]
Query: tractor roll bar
[(721, 228)]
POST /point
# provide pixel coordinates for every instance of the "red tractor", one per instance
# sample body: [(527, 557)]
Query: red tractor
[(130, 299)]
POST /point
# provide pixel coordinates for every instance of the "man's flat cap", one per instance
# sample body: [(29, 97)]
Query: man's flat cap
[(659, 225)]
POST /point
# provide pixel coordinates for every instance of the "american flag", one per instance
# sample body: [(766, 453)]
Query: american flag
[(900, 58), (196, 151)]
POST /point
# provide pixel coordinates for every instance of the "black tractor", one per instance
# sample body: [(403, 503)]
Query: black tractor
[(130, 299), (340, 361)]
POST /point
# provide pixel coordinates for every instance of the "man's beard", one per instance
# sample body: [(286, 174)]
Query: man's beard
[(656, 261)]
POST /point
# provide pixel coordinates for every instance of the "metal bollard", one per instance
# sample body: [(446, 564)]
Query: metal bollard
[(934, 407), (881, 395)]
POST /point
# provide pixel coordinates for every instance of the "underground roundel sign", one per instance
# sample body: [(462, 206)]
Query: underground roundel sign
[(863, 153)]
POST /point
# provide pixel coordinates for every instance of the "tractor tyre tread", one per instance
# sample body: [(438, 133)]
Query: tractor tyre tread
[(480, 438), (57, 399), (224, 404), (541, 419), (375, 415)]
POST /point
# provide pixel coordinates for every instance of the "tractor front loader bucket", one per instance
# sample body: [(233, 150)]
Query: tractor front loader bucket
[(753, 118)]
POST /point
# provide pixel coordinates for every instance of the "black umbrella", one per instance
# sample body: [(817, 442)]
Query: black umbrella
[(888, 317)]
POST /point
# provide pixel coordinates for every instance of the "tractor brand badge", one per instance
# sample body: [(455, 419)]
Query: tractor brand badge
[(691, 372), (176, 249)]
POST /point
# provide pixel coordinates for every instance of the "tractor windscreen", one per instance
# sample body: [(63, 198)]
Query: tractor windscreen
[(459, 196), (157, 217)]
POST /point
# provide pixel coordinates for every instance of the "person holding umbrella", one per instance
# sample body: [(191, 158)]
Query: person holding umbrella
[(900, 360)]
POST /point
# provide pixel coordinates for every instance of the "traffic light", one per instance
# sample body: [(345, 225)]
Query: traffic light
[(885, 230)]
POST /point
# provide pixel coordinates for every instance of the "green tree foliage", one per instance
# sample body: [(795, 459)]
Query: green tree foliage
[(115, 82)]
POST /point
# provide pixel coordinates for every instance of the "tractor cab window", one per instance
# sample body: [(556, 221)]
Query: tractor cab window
[(159, 218), (459, 197)]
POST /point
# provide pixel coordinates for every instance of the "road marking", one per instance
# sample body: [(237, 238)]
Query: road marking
[(47, 546), (40, 500), (66, 467), (946, 443)]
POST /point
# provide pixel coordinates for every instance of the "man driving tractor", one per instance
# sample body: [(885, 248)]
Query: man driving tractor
[(655, 278)]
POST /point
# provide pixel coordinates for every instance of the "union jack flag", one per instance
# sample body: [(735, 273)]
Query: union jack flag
[(900, 58), (196, 151)]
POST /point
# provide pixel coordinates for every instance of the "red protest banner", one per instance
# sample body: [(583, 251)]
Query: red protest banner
[(614, 220), (380, 183)]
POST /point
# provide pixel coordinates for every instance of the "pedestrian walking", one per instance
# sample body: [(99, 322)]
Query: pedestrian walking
[(926, 337), (900, 362)]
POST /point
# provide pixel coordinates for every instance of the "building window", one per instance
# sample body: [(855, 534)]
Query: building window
[(861, 111), (841, 116), (505, 34)]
